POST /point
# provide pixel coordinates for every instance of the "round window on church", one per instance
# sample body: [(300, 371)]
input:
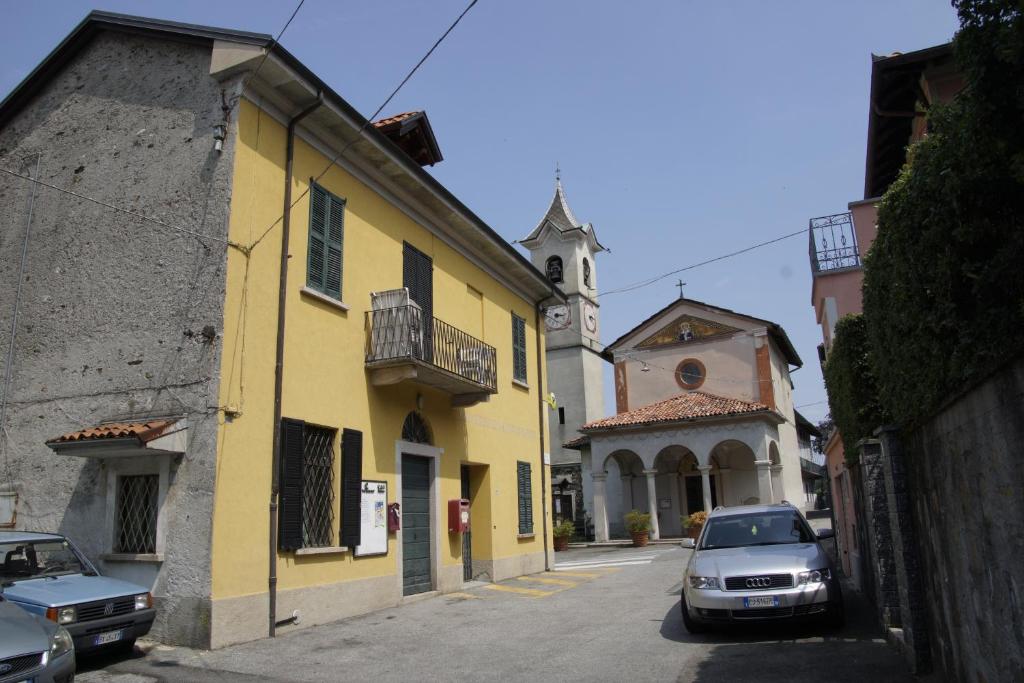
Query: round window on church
[(690, 373)]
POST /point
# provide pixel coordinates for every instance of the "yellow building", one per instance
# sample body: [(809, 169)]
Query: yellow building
[(378, 344)]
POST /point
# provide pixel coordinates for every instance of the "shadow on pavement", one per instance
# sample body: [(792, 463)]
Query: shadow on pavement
[(796, 651)]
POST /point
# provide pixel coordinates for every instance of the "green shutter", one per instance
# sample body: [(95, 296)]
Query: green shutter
[(326, 241), (518, 348), (525, 497)]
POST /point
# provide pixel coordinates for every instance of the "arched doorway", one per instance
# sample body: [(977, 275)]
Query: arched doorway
[(676, 466), (625, 489)]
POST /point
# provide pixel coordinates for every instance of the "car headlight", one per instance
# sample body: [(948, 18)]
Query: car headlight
[(61, 615), (144, 601), (61, 642), (704, 582), (814, 576)]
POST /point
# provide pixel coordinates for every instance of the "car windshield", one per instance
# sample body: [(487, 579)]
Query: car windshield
[(35, 559), (756, 528)]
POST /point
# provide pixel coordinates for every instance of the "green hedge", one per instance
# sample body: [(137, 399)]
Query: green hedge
[(850, 382), (944, 279)]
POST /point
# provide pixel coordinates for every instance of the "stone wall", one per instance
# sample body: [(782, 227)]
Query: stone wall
[(875, 513), (966, 483), (119, 318)]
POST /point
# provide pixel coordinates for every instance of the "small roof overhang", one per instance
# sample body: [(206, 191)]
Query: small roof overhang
[(168, 436)]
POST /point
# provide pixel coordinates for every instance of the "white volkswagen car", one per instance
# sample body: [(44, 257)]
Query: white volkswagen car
[(756, 562)]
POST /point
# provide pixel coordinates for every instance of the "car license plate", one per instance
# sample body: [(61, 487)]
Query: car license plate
[(761, 601), (109, 637)]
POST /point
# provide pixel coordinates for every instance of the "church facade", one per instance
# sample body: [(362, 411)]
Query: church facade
[(704, 417)]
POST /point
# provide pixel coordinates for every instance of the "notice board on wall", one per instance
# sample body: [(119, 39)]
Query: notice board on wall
[(373, 519)]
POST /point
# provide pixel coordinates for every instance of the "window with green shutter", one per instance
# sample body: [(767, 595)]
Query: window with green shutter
[(518, 348), (326, 239), (525, 497)]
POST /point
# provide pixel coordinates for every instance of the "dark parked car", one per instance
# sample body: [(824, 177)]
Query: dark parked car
[(46, 575), (32, 648)]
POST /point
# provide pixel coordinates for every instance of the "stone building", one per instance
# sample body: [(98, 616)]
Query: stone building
[(236, 348), (565, 250)]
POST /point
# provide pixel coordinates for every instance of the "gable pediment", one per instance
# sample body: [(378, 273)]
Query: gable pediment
[(684, 328)]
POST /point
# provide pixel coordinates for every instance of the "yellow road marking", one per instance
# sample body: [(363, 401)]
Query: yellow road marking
[(537, 593), (553, 582), (463, 596), (581, 575)]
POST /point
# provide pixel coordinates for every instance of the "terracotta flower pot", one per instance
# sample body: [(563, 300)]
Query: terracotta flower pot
[(639, 538), (561, 543), (694, 531)]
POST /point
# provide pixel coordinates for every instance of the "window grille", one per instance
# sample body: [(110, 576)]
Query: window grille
[(136, 514), (415, 429), (318, 487)]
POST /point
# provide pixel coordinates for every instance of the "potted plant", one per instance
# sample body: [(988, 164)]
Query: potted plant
[(694, 523), (639, 525), (562, 532)]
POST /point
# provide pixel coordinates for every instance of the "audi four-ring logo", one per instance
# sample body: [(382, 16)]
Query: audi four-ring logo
[(759, 582)]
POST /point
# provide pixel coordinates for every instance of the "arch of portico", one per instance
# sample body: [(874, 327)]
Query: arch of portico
[(624, 489), (649, 470)]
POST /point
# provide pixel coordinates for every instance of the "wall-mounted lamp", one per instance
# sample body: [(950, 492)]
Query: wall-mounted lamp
[(644, 367), (220, 131)]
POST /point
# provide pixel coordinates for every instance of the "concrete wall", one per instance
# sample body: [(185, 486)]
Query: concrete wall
[(965, 480), (113, 307)]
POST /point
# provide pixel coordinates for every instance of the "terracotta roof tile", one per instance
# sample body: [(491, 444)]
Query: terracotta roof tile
[(380, 123), (143, 431), (578, 442), (690, 406)]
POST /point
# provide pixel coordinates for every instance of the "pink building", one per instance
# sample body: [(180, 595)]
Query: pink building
[(903, 87)]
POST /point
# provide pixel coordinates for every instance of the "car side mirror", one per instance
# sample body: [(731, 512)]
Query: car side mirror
[(825, 533), (689, 543)]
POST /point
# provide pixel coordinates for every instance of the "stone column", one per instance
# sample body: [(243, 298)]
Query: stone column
[(652, 503), (705, 480), (600, 512), (724, 474), (675, 510), (764, 480), (777, 474)]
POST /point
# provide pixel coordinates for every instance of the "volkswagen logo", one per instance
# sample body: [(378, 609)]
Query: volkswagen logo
[(759, 582), (108, 609), (4, 668)]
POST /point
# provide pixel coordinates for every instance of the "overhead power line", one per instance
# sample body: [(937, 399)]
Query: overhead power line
[(266, 54), (651, 281), (369, 119), (136, 214)]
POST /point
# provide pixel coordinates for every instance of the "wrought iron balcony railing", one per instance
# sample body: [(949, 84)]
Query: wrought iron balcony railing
[(404, 334), (833, 243)]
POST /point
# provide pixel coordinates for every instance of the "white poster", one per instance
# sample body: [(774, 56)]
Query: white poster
[(373, 519)]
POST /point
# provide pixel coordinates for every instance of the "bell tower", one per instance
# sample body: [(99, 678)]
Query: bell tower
[(565, 249)]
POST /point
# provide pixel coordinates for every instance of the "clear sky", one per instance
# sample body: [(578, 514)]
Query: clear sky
[(684, 130)]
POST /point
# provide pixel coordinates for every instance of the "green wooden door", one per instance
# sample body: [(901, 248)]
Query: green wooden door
[(415, 524)]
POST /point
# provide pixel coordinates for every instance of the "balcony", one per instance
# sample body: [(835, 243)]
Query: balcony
[(405, 345), (833, 243)]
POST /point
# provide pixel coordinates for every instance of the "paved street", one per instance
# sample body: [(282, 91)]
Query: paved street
[(606, 614)]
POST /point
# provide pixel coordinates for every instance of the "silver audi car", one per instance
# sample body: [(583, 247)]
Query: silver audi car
[(755, 562)]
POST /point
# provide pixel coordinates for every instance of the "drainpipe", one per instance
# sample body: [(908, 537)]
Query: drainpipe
[(540, 424), (279, 359)]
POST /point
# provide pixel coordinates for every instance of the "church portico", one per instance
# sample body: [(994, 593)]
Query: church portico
[(672, 470)]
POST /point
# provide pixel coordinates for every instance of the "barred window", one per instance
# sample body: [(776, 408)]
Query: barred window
[(317, 487), (135, 532)]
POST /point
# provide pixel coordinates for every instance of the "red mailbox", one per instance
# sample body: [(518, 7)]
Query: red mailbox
[(458, 515)]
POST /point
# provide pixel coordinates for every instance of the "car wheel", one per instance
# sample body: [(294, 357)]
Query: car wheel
[(691, 624)]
